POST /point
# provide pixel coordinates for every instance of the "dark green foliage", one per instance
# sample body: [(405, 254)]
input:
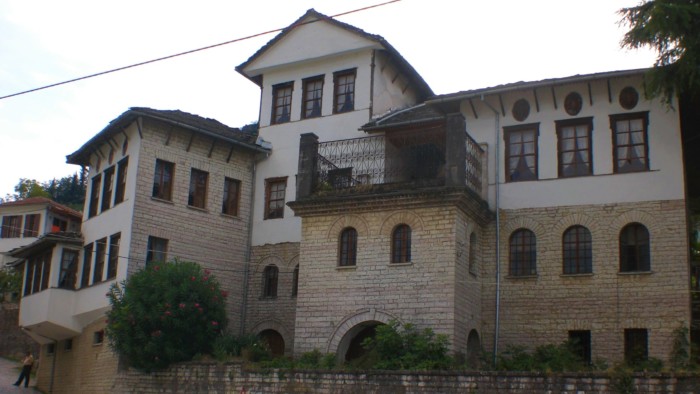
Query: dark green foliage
[(69, 190), (10, 281), (545, 358), (672, 28), (680, 353), (227, 345), (405, 347), (166, 313)]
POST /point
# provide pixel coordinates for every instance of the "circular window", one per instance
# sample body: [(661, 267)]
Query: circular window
[(521, 110), (629, 97), (573, 103)]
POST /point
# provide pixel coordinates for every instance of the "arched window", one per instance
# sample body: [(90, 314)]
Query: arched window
[(523, 253), (576, 249), (472, 253), (270, 281), (634, 248), (348, 247), (401, 244), (295, 281)]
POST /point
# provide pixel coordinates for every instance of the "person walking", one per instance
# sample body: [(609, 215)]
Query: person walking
[(27, 363)]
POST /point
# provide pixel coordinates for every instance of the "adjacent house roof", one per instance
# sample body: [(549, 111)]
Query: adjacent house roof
[(427, 111), (53, 206), (205, 126), (44, 241), (422, 88)]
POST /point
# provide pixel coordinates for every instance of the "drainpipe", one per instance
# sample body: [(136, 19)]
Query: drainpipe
[(246, 270), (497, 126), (53, 365)]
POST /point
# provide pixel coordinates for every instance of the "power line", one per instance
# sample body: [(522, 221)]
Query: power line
[(187, 52)]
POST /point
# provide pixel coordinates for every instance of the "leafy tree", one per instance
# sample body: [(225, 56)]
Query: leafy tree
[(69, 190), (10, 281), (27, 188), (672, 28), (166, 313)]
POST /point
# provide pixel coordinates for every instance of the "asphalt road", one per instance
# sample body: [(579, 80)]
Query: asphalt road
[(9, 372)]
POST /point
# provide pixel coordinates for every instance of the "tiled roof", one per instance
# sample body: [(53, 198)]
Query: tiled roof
[(206, 126), (420, 113), (53, 206), (46, 239), (422, 87)]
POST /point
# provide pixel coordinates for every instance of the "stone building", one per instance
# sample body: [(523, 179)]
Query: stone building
[(520, 214)]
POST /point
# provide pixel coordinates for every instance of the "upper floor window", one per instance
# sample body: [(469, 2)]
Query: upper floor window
[(11, 226), (107, 189), (232, 189), (401, 244), (95, 195), (270, 281), (163, 180), (275, 189), (634, 248), (282, 102), (69, 269), (574, 143), (59, 225), (576, 245), (344, 91), (122, 168), (523, 253), (521, 152), (31, 225), (198, 189), (630, 146), (113, 261), (348, 247), (157, 250), (87, 262), (313, 94), (99, 260), (38, 273)]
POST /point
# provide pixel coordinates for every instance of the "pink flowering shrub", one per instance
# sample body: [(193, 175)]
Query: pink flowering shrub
[(166, 313)]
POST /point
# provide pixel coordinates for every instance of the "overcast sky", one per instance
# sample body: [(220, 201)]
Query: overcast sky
[(454, 44)]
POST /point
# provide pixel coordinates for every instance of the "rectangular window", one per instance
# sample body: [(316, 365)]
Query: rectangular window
[(69, 269), (313, 94), (163, 180), (107, 188), (58, 225), (282, 102), (574, 145), (275, 189), (521, 152), (344, 91), (630, 146), (95, 195), (29, 279), (50, 349), (636, 345), (232, 189), (87, 262), (99, 260), (198, 189), (68, 345), (31, 225), (580, 341), (157, 250), (38, 272), (11, 226), (98, 337), (46, 269), (113, 261), (122, 167)]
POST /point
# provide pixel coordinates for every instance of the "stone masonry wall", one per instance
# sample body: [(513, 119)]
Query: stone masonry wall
[(13, 342), (206, 236), (543, 308), (86, 367), (276, 313), (234, 378)]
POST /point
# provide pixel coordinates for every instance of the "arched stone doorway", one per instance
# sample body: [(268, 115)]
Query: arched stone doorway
[(274, 341), (473, 349), (350, 347)]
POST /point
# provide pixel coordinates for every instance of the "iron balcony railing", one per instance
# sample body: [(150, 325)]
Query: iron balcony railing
[(399, 157)]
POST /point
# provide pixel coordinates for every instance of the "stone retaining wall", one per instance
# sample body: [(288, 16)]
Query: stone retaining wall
[(235, 378)]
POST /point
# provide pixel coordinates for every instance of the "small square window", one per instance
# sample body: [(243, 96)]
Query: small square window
[(50, 349), (98, 337), (68, 345)]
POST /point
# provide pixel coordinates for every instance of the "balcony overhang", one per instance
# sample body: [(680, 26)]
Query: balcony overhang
[(48, 315)]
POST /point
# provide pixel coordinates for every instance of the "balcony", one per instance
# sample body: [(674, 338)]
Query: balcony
[(434, 156)]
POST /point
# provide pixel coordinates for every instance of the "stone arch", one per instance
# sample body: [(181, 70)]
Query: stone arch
[(278, 326), (354, 221), (352, 321), (473, 349), (635, 216), (268, 260), (401, 217), (579, 219), (525, 222)]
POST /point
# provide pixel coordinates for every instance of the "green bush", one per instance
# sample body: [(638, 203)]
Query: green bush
[(166, 313), (228, 345), (545, 358), (405, 347)]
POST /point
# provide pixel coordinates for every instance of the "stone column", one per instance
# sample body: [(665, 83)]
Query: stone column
[(308, 152), (455, 150)]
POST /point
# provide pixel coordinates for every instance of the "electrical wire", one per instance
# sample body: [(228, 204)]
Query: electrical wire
[(189, 52)]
